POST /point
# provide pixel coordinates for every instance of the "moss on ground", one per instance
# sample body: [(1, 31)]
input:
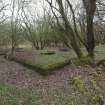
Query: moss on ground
[(45, 64)]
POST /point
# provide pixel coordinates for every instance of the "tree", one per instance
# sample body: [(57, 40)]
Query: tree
[(64, 24), (16, 29), (36, 30), (90, 6)]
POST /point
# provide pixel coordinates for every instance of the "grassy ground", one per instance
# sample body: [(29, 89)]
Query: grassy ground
[(47, 63), (10, 95), (100, 52), (44, 63)]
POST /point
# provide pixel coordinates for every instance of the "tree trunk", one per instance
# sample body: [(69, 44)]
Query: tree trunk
[(90, 36), (70, 32), (74, 44), (76, 49), (90, 6)]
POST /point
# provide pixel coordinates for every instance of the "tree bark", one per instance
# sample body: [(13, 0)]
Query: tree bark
[(90, 6)]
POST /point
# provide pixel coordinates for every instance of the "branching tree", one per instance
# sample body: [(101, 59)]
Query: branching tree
[(71, 32), (64, 23), (16, 29), (36, 30)]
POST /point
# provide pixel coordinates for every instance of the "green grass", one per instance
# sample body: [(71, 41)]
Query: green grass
[(46, 63), (54, 60), (10, 95), (100, 53)]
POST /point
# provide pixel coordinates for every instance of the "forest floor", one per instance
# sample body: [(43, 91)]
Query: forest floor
[(70, 85), (14, 73), (55, 89)]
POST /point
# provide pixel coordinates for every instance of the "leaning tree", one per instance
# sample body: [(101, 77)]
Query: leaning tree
[(63, 22), (62, 13)]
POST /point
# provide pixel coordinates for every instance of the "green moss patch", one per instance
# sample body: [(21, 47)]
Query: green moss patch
[(45, 64), (83, 61)]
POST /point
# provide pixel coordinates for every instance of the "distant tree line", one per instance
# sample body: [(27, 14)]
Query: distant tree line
[(61, 23)]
